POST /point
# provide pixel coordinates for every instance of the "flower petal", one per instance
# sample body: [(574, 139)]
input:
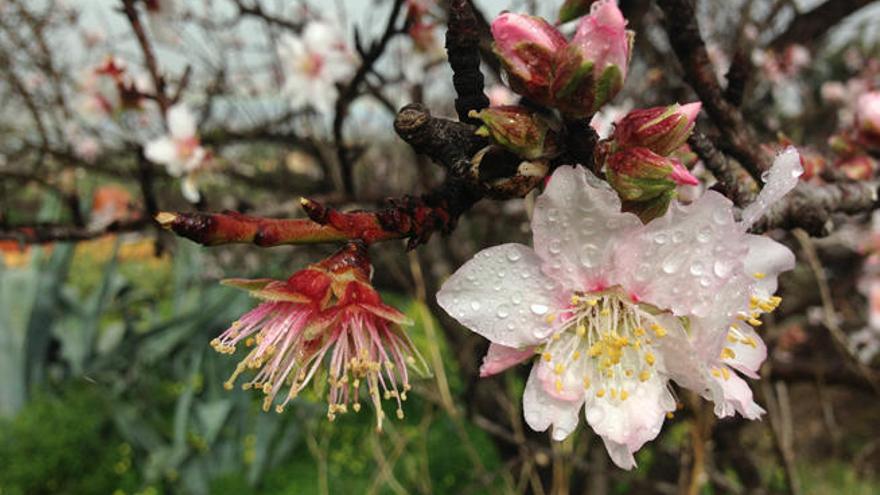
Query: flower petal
[(502, 295), (734, 394), (181, 122), (782, 177), (765, 260), (541, 410), (500, 357), (749, 352), (577, 220), (631, 422), (163, 151), (681, 260)]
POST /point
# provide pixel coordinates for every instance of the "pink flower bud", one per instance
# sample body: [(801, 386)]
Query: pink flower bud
[(859, 167), (660, 129), (643, 178), (526, 46), (519, 130), (593, 67), (868, 118)]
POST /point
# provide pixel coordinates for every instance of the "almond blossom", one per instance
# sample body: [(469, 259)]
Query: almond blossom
[(324, 321), (180, 150), (314, 62), (615, 309)]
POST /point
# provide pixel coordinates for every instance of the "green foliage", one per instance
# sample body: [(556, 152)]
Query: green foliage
[(64, 445)]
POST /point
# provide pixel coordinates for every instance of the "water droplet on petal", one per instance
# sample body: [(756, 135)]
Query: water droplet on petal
[(705, 234), (539, 309), (660, 238), (503, 311), (555, 246), (475, 305), (697, 268), (513, 255), (722, 268)]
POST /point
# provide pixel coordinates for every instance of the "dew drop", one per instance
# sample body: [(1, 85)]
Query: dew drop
[(516, 298), (513, 255), (677, 236), (475, 305), (705, 234), (539, 309), (697, 268), (660, 239), (555, 246), (669, 265), (503, 311), (722, 268)]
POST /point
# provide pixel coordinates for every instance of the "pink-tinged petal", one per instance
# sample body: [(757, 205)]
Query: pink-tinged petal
[(633, 421), (577, 223), (181, 122), (502, 295), (748, 353), (164, 152), (541, 410), (682, 260), (682, 176), (680, 360), (190, 189), (619, 454), (782, 177), (500, 357), (765, 260), (734, 394), (874, 304)]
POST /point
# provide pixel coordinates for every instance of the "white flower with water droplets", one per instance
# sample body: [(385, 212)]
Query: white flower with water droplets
[(615, 309)]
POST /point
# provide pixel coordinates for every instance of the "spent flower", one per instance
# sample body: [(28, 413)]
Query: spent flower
[(614, 309), (325, 322)]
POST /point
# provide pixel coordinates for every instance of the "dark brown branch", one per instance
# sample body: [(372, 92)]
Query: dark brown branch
[(149, 57), (810, 207), (808, 27), (733, 182), (684, 35), (350, 92), (463, 49), (42, 234)]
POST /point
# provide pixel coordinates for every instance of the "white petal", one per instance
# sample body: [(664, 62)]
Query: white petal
[(190, 189), (576, 224), (767, 258), (747, 358), (500, 357), (321, 37), (181, 122), (163, 151), (541, 410), (682, 260), (782, 177), (502, 295), (620, 454), (735, 394), (632, 422)]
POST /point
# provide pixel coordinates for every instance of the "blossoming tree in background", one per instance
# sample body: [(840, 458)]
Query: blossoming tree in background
[(663, 210)]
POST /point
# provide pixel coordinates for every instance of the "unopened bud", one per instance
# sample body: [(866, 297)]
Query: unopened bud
[(592, 68), (660, 129), (518, 129), (645, 180), (527, 47), (868, 118)]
